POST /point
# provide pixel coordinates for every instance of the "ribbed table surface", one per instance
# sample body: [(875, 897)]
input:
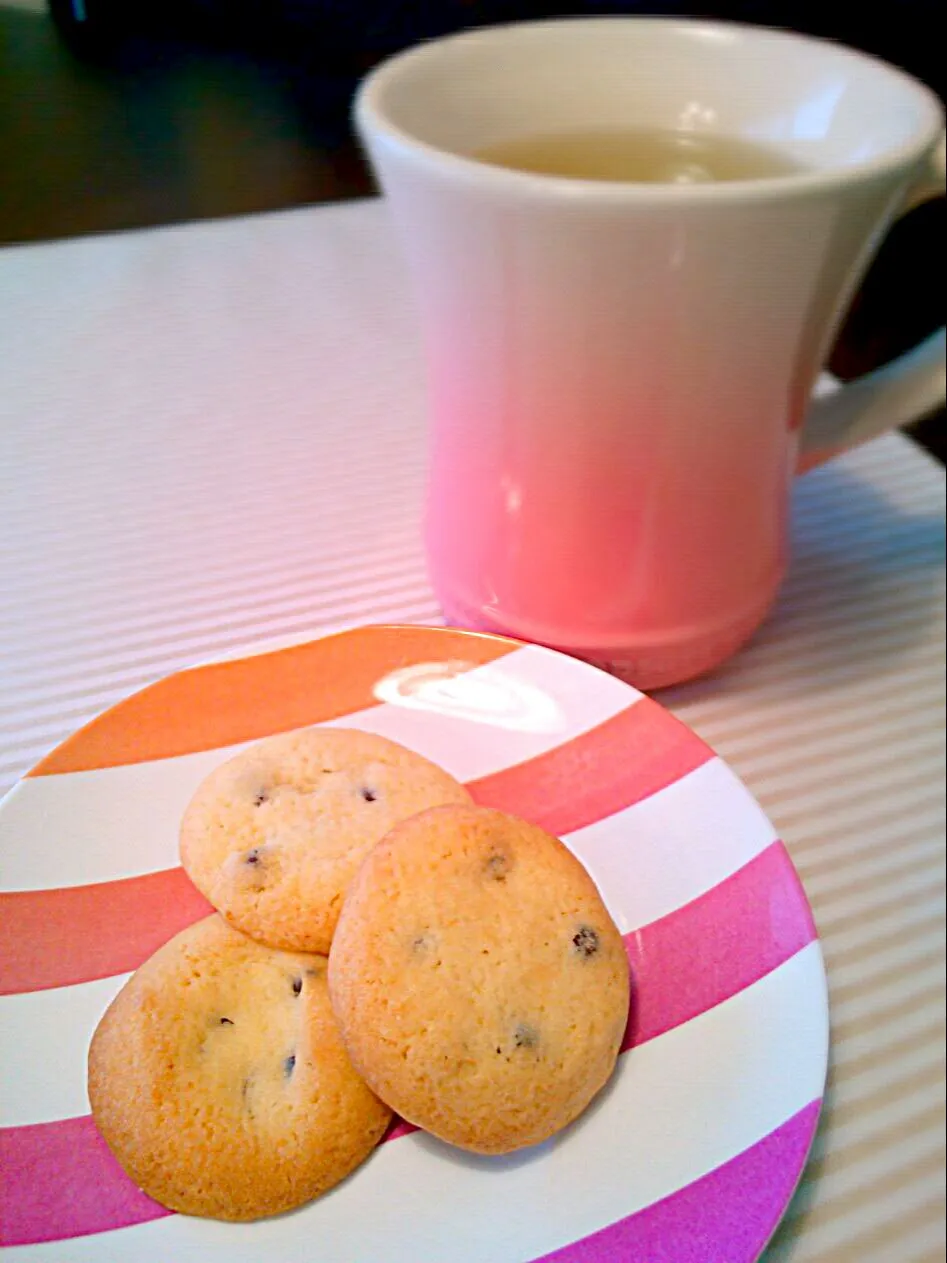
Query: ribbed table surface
[(212, 436)]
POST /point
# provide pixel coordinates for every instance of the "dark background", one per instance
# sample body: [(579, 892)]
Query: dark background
[(119, 114)]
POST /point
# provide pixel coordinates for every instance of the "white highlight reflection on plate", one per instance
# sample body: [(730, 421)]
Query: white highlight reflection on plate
[(489, 695)]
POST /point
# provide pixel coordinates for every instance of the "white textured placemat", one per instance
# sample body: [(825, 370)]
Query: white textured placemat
[(213, 434)]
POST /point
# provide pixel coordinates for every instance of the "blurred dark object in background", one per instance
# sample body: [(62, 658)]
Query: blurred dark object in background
[(350, 35), (127, 113)]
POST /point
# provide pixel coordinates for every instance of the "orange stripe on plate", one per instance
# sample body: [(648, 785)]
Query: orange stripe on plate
[(629, 757), (54, 938), (229, 702)]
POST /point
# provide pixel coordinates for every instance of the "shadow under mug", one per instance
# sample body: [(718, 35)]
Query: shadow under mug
[(622, 374)]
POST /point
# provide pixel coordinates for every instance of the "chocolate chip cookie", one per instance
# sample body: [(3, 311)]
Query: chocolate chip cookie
[(480, 985), (274, 836), (218, 1079)]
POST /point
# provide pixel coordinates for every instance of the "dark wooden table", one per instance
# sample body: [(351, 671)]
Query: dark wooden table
[(159, 129)]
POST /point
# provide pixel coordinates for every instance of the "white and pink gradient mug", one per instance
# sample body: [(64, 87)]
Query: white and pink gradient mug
[(621, 375)]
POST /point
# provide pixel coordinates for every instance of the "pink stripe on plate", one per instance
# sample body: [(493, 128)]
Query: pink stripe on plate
[(62, 1182), (728, 1214), (701, 954)]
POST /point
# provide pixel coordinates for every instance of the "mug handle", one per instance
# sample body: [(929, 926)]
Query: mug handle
[(897, 393)]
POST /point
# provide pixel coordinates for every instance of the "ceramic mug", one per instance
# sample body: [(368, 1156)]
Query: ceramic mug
[(621, 374)]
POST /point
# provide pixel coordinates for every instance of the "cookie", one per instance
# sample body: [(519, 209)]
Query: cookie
[(218, 1079), (480, 985), (274, 836)]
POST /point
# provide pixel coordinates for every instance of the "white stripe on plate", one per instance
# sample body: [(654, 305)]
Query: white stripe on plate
[(78, 828), (660, 854), (678, 1107), (44, 1075)]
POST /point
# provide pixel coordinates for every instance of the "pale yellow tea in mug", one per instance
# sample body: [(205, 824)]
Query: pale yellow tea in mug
[(647, 156)]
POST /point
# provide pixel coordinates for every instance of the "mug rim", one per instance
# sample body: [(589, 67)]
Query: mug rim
[(372, 120)]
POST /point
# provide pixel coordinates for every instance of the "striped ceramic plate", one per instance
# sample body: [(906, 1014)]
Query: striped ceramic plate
[(691, 1154)]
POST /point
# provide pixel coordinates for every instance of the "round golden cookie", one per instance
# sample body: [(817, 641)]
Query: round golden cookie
[(480, 985), (218, 1079), (274, 836)]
